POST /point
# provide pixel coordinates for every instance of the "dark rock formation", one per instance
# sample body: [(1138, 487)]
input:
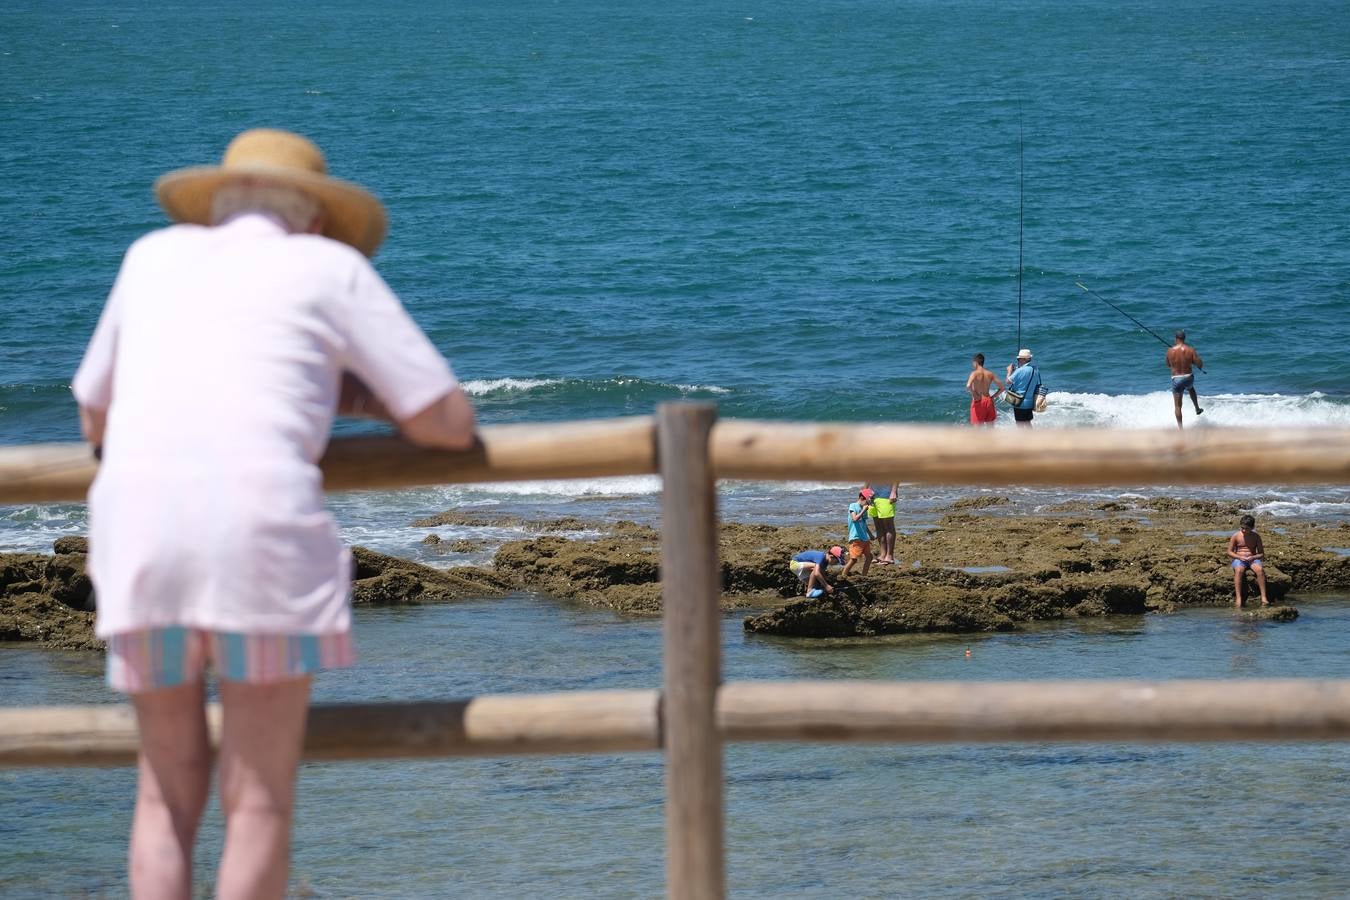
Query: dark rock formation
[(47, 599), (380, 580), (976, 571)]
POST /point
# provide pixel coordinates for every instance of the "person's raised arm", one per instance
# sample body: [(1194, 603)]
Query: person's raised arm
[(398, 371)]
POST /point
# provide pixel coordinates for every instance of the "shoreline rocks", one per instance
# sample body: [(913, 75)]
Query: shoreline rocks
[(981, 567), (49, 600)]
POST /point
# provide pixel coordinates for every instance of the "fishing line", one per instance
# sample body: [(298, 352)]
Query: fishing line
[(1128, 316)]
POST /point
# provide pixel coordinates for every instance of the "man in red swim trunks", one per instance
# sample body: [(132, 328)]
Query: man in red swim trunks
[(982, 410)]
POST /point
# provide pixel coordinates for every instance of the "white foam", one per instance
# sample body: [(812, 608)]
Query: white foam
[(562, 487), (705, 388), (1154, 410), (480, 386), (1283, 509)]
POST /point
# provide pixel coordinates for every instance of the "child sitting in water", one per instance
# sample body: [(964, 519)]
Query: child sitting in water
[(1246, 550)]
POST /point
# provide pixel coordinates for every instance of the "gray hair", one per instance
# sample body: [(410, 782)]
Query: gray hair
[(296, 208)]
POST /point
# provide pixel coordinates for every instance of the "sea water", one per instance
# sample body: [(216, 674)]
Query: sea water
[(827, 820), (796, 211)]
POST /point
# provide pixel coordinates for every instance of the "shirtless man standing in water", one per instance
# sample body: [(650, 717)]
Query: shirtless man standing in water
[(1180, 358), (982, 411)]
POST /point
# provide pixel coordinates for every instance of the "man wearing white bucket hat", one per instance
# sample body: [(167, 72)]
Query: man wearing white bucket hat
[(225, 348), (1023, 381)]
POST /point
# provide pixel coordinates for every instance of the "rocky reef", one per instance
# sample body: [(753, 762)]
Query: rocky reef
[(49, 599), (980, 566), (974, 571)]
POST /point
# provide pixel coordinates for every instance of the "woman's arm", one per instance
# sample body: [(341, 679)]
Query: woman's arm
[(93, 421), (448, 423)]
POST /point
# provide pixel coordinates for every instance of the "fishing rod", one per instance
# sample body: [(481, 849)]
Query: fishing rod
[(1128, 316), (1021, 194)]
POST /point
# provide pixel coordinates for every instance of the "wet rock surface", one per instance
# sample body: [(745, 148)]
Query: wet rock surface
[(983, 567), (49, 600), (980, 569), (381, 580)]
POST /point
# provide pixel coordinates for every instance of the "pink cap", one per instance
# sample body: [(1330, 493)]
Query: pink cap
[(867, 493), (838, 551)]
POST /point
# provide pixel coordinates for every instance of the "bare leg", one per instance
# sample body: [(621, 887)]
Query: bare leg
[(867, 557), (1195, 400), (1238, 574), (1176, 407), (1260, 571), (848, 566), (259, 752), (173, 780)]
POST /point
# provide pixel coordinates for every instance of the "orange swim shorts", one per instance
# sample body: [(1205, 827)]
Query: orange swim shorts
[(982, 411), (857, 549)]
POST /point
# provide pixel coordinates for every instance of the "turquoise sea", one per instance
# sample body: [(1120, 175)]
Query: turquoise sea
[(797, 211)]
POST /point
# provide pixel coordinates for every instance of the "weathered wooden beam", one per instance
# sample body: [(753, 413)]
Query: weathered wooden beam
[(46, 473), (941, 454), (691, 585), (492, 725), (836, 711), (929, 454), (954, 711)]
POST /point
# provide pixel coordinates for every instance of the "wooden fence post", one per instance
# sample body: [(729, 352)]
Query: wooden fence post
[(691, 586)]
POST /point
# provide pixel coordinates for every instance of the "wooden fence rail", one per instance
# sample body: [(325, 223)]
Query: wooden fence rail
[(921, 454), (834, 711)]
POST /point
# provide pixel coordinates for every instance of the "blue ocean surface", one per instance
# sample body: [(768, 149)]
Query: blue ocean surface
[(794, 210)]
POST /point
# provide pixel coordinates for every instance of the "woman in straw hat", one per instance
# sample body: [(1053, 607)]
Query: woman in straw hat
[(226, 346)]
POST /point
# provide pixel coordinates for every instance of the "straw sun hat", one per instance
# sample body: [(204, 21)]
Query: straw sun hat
[(351, 214)]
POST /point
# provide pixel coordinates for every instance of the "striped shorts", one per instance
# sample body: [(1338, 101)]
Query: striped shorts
[(168, 657)]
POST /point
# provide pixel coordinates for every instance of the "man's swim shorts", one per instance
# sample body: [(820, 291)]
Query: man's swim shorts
[(982, 410), (1246, 563), (1182, 383)]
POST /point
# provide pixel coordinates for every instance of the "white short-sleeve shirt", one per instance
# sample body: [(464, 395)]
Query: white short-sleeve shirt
[(219, 356)]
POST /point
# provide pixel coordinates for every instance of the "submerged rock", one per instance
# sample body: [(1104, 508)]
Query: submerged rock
[(1270, 614), (381, 580)]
